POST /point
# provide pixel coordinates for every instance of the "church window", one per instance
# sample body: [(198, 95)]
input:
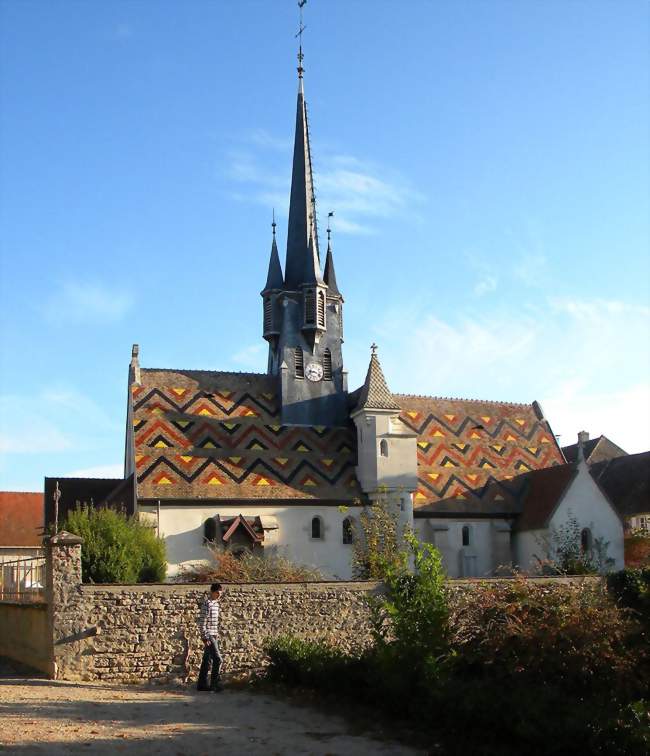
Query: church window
[(466, 535), (347, 530), (299, 362), (383, 448), (267, 313), (327, 365), (586, 541), (321, 309), (310, 315), (210, 530), (316, 528)]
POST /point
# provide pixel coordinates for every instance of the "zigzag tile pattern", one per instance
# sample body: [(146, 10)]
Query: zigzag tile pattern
[(203, 434), (472, 454)]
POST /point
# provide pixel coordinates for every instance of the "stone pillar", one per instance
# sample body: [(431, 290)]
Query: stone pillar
[(63, 594)]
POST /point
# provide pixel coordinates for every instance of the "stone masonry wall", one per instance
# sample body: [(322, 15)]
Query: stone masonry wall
[(138, 633)]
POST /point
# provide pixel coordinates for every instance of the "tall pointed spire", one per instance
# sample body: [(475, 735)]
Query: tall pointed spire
[(303, 259), (274, 279), (329, 276)]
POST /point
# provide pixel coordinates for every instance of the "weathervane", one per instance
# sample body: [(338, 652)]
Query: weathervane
[(301, 29), (273, 224), (329, 230)]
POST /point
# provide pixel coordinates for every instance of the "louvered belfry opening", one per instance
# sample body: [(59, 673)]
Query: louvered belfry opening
[(321, 309), (267, 313), (327, 365), (299, 362), (310, 314)]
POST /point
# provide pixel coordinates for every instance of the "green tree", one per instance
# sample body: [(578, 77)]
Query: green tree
[(116, 548)]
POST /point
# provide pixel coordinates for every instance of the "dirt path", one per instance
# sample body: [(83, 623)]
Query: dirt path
[(43, 717)]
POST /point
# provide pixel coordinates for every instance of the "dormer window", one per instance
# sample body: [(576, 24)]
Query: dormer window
[(310, 314), (299, 362), (327, 365)]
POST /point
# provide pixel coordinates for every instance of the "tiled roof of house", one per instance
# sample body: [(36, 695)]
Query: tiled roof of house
[(472, 454), (218, 435), (595, 450), (374, 393), (99, 492), (21, 518), (626, 480), (540, 495)]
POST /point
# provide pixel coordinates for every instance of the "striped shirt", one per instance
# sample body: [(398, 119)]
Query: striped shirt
[(209, 620)]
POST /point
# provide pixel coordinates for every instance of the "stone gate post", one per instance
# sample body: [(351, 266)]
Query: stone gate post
[(62, 593)]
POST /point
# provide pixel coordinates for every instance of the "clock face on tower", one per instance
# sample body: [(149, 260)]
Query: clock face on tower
[(314, 371)]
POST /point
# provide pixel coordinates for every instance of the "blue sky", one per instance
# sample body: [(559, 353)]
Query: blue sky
[(487, 163)]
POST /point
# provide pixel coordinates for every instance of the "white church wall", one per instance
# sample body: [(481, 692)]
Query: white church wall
[(483, 555), (529, 549), (588, 505), (182, 528), (585, 502)]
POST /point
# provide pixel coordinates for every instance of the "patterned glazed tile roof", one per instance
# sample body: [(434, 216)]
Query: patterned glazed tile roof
[(217, 435), (473, 454), (374, 392)]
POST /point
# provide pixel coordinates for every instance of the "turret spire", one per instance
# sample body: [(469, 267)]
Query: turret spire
[(274, 279), (329, 275)]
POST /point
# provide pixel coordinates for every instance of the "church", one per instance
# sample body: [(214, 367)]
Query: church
[(283, 461)]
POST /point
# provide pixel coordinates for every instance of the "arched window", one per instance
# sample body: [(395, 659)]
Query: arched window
[(383, 447), (299, 362), (310, 315), (267, 313), (466, 535), (586, 540), (327, 365), (347, 530), (321, 309), (316, 528), (210, 530)]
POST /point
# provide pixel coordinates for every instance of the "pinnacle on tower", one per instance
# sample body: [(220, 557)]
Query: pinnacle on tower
[(375, 393), (329, 276), (274, 279)]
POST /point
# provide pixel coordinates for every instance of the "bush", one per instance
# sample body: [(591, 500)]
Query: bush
[(631, 588), (226, 567), (116, 548)]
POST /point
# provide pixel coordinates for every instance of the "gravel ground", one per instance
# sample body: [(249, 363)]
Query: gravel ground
[(39, 716)]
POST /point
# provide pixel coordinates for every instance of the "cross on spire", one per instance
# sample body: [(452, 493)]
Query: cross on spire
[(301, 29)]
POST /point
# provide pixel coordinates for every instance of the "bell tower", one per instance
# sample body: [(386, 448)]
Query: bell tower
[(303, 308)]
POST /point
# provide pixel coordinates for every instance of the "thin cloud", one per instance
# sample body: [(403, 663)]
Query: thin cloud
[(486, 285), (360, 193), (97, 471), (77, 303), (251, 356)]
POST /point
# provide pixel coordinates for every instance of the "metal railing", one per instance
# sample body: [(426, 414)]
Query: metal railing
[(23, 580)]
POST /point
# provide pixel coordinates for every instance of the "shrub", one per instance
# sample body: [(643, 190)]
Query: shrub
[(631, 588), (248, 567), (566, 555), (378, 544), (116, 548)]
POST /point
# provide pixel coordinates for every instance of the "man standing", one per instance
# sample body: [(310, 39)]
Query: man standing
[(209, 627)]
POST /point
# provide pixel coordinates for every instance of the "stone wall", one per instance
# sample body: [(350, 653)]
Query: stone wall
[(25, 636), (139, 633)]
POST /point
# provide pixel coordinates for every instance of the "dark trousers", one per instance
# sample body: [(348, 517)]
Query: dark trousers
[(211, 658)]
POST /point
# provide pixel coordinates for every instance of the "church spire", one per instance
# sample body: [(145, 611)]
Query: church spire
[(303, 259), (329, 276), (274, 279)]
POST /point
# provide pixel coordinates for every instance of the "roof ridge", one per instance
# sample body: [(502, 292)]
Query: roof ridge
[(200, 370), (462, 399)]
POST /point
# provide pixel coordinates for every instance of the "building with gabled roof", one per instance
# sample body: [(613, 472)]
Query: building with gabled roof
[(289, 457)]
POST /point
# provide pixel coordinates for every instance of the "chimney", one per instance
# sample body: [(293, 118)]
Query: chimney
[(134, 372), (583, 437)]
